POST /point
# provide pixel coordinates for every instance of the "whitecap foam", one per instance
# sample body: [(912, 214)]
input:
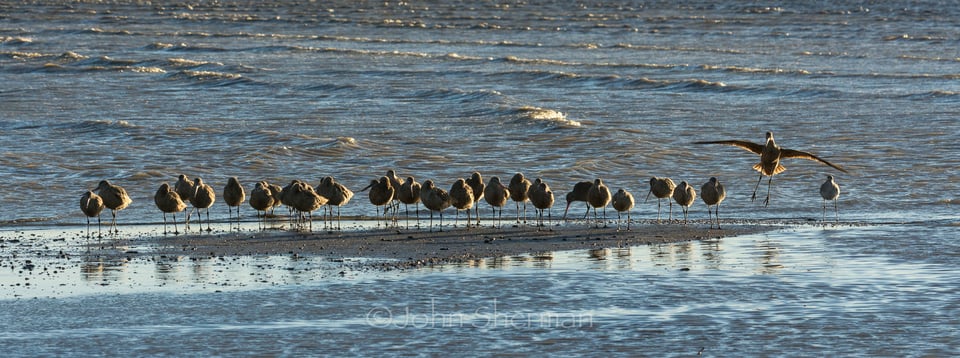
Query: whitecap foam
[(544, 115)]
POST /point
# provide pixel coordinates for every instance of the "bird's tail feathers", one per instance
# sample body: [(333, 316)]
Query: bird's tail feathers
[(780, 168)]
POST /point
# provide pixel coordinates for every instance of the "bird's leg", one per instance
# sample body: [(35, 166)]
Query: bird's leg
[(836, 209), (754, 197), (766, 201), (658, 210), (518, 211), (596, 219), (823, 216), (468, 218), (208, 220), (628, 221), (718, 216), (604, 216)]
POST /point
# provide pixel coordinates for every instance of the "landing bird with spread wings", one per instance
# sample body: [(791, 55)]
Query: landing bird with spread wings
[(770, 156)]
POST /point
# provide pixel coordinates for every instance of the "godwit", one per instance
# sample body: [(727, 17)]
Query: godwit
[(261, 199), (461, 198), (476, 183), (542, 199), (168, 201), (770, 156), (519, 186), (662, 188), (409, 193), (202, 198), (830, 190), (115, 198), (623, 201), (276, 191), (381, 194), (395, 182), (579, 193), (234, 195), (183, 187), (337, 195), (91, 205), (434, 199), (496, 194), (599, 197), (285, 196), (684, 195), (306, 200), (713, 193)]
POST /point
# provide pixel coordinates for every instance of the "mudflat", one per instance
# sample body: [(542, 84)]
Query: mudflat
[(416, 246)]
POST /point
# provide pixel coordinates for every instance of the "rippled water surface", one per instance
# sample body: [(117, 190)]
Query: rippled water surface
[(139, 93)]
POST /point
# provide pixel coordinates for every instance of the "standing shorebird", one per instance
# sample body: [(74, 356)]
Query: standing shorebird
[(202, 198), (115, 198), (713, 193), (381, 194), (623, 201), (830, 190), (276, 191), (434, 199), (91, 205), (684, 195), (475, 181), (261, 199), (519, 186), (542, 199), (662, 188), (409, 193), (234, 195), (395, 182), (496, 194), (305, 200), (337, 195), (461, 198), (184, 187), (579, 193), (168, 201), (599, 197), (770, 156)]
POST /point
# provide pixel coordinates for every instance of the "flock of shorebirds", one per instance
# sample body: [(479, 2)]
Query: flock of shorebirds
[(389, 191)]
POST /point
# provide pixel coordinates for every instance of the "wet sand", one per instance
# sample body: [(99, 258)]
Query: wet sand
[(60, 261), (402, 247)]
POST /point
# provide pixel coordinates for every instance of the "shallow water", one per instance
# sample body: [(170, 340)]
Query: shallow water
[(274, 91), (803, 289)]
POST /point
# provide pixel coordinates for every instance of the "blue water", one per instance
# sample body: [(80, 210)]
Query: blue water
[(138, 94)]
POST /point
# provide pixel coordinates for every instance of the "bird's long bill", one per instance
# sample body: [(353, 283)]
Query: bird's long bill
[(365, 188), (648, 196), (565, 211)]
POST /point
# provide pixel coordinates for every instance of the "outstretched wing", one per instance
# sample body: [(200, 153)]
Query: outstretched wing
[(753, 147), (790, 153)]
